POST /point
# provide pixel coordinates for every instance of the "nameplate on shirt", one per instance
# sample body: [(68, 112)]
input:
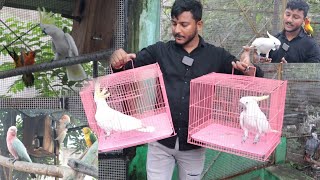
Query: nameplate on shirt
[(187, 61), (285, 46)]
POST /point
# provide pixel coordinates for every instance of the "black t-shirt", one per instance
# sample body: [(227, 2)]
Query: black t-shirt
[(302, 49)]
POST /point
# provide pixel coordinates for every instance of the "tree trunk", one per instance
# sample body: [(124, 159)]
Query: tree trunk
[(95, 30)]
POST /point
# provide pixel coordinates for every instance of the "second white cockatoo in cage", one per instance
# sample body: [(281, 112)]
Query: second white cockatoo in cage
[(252, 119), (63, 46), (265, 45), (111, 120)]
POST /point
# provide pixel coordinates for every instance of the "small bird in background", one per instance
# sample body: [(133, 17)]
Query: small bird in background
[(265, 45), (89, 137), (24, 59), (252, 118), (62, 128), (307, 26), (16, 147), (110, 120), (28, 59), (15, 57)]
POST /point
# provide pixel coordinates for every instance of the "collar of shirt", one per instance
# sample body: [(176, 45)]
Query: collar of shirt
[(300, 35)]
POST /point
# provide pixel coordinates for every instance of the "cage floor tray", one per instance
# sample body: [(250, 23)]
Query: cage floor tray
[(229, 139), (116, 141)]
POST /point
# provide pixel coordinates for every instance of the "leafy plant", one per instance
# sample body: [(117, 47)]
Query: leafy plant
[(52, 83)]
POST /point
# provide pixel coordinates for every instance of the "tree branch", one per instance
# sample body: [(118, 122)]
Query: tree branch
[(88, 163), (36, 168), (82, 167)]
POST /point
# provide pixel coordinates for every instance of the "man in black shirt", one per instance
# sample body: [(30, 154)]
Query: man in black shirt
[(181, 60), (296, 45)]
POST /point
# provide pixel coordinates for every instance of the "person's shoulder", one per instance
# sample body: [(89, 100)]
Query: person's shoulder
[(155, 46), (164, 44), (214, 48), (309, 40)]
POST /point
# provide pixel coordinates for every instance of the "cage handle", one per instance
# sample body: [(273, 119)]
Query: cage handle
[(123, 65), (249, 68)]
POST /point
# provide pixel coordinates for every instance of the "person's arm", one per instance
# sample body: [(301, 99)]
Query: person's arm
[(120, 60), (244, 62)]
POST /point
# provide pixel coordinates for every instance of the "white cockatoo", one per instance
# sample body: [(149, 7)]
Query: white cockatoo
[(63, 46), (265, 45), (252, 118), (110, 120)]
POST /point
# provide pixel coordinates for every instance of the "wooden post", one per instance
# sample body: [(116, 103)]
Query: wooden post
[(276, 16), (96, 29), (284, 4)]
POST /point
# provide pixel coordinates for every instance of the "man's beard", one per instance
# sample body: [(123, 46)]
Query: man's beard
[(295, 29), (189, 39)]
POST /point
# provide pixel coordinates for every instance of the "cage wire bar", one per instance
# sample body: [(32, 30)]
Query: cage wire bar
[(215, 120), (137, 96), (114, 164)]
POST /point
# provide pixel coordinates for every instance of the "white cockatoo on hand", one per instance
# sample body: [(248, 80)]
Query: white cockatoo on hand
[(265, 45), (252, 118), (63, 46), (110, 120)]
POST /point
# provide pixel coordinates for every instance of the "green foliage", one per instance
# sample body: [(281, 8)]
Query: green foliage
[(51, 83), (47, 83)]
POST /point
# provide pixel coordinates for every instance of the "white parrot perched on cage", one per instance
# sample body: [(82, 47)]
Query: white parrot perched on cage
[(252, 118), (265, 45), (110, 120), (63, 46)]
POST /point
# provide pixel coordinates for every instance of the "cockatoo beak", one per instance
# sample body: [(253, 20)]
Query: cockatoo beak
[(260, 98)]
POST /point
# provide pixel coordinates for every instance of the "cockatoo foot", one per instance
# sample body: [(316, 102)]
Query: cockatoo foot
[(107, 135), (13, 160), (256, 140), (244, 138)]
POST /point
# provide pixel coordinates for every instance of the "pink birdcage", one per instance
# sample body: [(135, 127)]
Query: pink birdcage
[(215, 110), (139, 93)]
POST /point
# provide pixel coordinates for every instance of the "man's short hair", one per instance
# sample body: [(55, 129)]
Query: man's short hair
[(193, 6), (301, 5)]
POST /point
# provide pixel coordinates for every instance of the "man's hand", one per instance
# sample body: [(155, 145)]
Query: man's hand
[(283, 60), (244, 63), (119, 58)]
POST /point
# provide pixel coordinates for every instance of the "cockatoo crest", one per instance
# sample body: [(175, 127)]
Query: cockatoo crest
[(12, 131), (246, 100), (265, 45), (100, 94), (46, 17), (276, 41)]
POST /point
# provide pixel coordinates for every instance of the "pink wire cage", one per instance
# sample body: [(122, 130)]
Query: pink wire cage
[(139, 93), (214, 117)]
